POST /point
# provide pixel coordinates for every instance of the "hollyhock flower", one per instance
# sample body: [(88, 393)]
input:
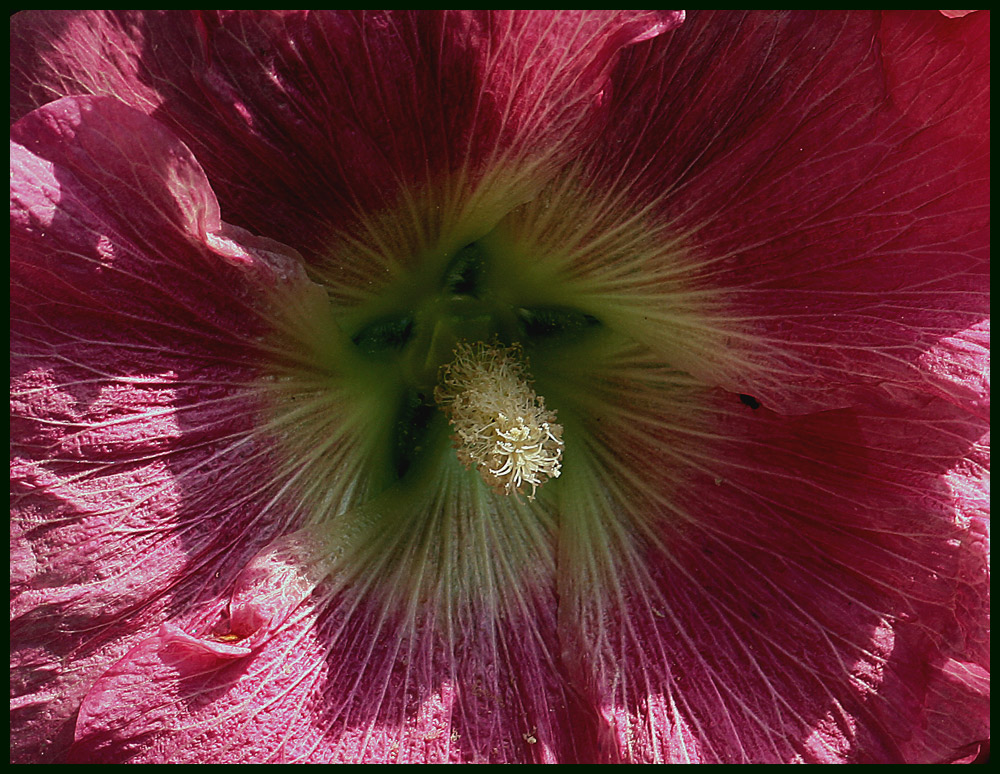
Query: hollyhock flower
[(503, 387)]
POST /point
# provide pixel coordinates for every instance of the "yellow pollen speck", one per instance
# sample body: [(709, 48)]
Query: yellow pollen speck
[(501, 427)]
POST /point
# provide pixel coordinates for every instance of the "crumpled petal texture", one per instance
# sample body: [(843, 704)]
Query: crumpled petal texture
[(342, 680), (131, 412), (770, 539)]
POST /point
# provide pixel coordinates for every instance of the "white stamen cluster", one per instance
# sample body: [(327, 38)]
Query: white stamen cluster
[(501, 426)]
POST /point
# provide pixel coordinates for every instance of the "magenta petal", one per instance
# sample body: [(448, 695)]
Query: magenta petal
[(274, 583), (771, 548), (134, 318), (342, 679), (811, 589), (833, 173), (306, 119), (169, 656)]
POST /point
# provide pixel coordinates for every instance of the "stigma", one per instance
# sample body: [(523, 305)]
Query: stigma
[(502, 427)]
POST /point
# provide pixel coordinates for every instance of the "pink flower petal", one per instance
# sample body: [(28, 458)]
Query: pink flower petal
[(721, 581), (134, 314), (829, 175), (343, 678), (301, 119), (780, 589)]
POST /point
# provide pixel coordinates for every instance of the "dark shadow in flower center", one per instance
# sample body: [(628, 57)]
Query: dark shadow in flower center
[(469, 304)]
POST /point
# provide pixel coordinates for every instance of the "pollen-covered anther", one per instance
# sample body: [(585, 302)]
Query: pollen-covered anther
[(501, 426)]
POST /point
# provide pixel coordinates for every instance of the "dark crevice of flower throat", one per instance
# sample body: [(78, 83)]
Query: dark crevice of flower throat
[(423, 338)]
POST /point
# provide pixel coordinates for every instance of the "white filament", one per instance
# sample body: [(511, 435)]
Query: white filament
[(501, 426)]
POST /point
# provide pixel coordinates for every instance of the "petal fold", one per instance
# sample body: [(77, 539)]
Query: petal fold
[(136, 319), (307, 120), (360, 670)]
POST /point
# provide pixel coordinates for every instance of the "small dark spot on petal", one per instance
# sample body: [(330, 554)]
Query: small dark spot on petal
[(749, 400)]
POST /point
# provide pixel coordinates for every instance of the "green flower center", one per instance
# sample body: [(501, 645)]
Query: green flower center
[(469, 378), (413, 333)]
